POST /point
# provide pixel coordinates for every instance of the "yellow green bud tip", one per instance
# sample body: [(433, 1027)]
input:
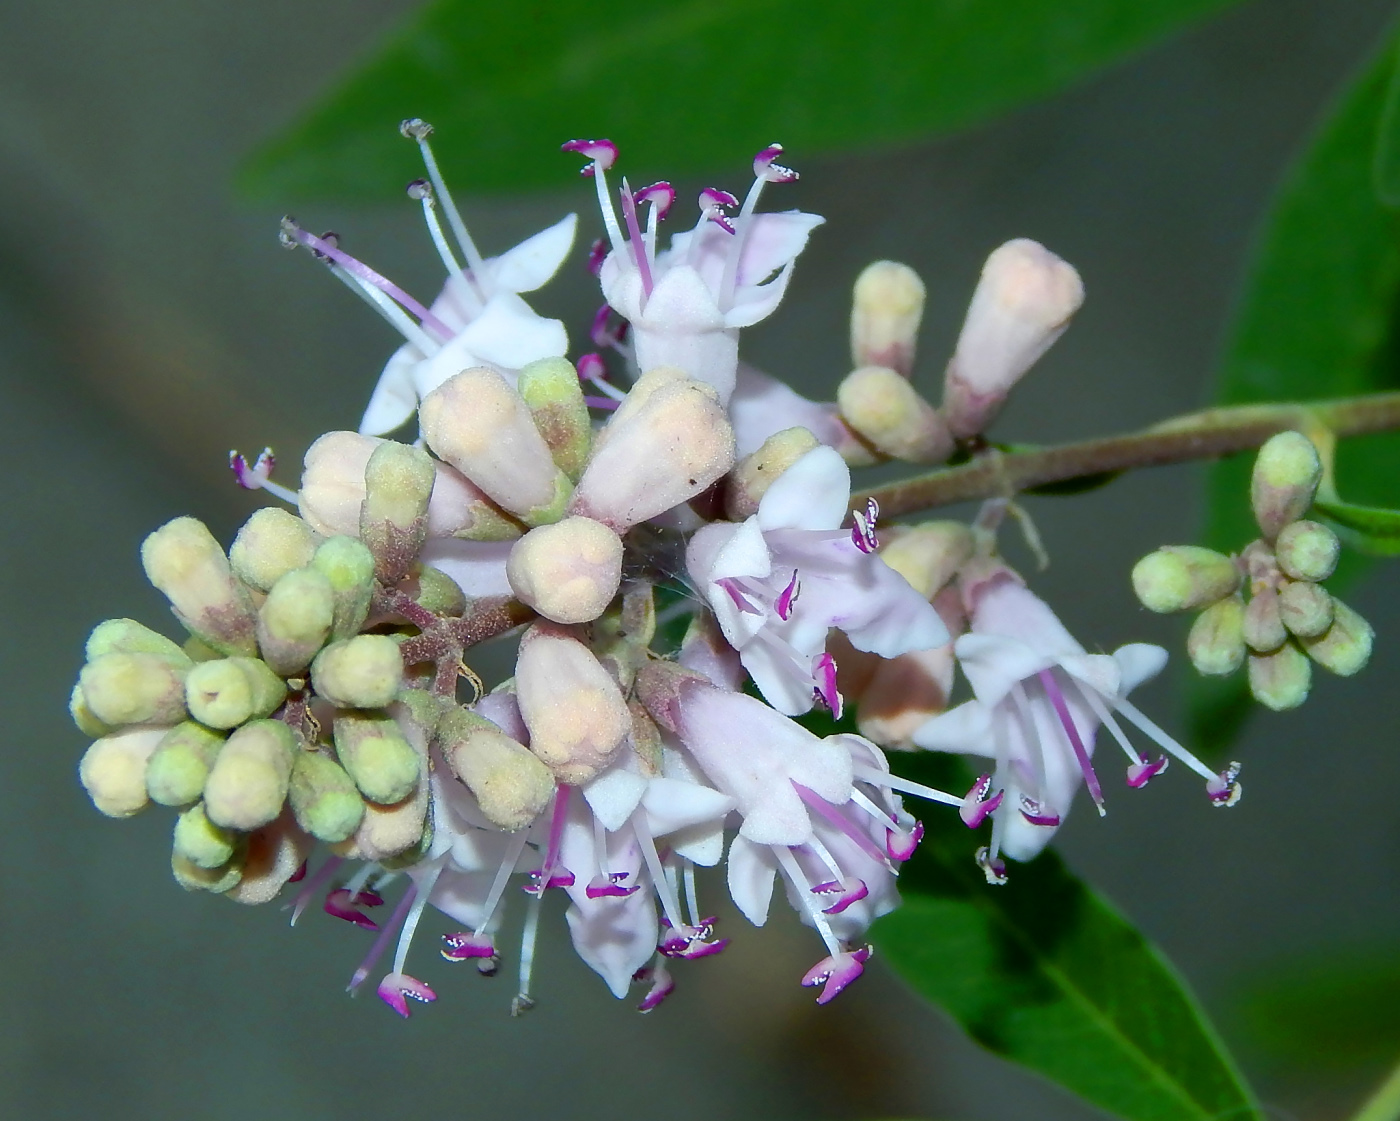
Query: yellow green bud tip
[(1183, 577), (200, 841), (231, 691), (113, 770), (127, 636), (1345, 647), (134, 688), (1286, 475), (248, 781), (1216, 643), (361, 672), (374, 753), (179, 766), (1307, 550), (271, 543), (323, 798), (296, 620), (1280, 680)]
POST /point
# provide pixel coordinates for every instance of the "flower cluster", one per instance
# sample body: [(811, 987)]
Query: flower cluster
[(314, 705)]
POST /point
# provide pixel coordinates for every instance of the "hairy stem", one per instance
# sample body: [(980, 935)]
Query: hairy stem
[(1208, 434)]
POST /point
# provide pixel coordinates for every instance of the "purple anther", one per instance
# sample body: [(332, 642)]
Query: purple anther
[(1223, 789), (900, 845), (299, 875), (342, 905), (1140, 774), (597, 253), (466, 946), (661, 195), (863, 527), (562, 878), (634, 238), (601, 330), (714, 196), (993, 867), (786, 598), (977, 806), (735, 591), (609, 885), (415, 128), (764, 168), (252, 477), (848, 891), (603, 153), (690, 942), (1081, 753), (1037, 813), (836, 972), (398, 988), (590, 367), (721, 220), (824, 673), (834, 816), (661, 986)]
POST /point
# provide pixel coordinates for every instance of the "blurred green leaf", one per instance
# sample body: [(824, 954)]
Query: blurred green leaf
[(1387, 151), (1045, 973), (687, 87), (1370, 529), (1315, 320)]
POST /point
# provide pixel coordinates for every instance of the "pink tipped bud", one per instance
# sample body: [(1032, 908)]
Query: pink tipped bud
[(883, 408), (1022, 304), (568, 571), (886, 308)]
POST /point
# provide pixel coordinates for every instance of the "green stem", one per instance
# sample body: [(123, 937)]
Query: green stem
[(1208, 434), (1384, 1104)]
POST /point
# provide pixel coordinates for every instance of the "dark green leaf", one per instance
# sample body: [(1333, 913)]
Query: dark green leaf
[(1315, 321), (686, 87), (1371, 529), (1045, 973), (1387, 160)]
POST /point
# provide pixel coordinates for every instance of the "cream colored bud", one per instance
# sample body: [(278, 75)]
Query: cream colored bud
[(1345, 647), (374, 753), (435, 591), (903, 694), (1184, 577), (1286, 474), (511, 785), (1023, 303), (668, 450), (480, 425), (884, 409), (219, 880), (361, 672), (575, 712), (1263, 623), (333, 482), (184, 561), (1280, 680), (230, 691), (390, 831), (751, 477), (179, 767), (248, 781), (127, 636), (887, 305), (349, 565), (82, 716), (134, 689), (201, 842), (399, 481), (323, 797), (1307, 550), (550, 387), (271, 543), (1306, 609), (1216, 643), (113, 770), (568, 571), (295, 620), (271, 857), (927, 555)]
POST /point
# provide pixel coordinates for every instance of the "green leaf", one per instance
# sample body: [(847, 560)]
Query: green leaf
[(688, 87), (1371, 529), (1316, 320), (1047, 974)]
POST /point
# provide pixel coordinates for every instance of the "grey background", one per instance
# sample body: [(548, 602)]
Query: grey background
[(148, 322)]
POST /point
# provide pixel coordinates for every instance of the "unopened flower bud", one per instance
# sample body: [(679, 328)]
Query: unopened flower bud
[(200, 841), (1280, 680), (884, 409), (887, 305), (113, 770), (361, 672), (1307, 550), (480, 425), (271, 543), (1306, 609), (568, 571), (323, 797), (927, 555), (1183, 577), (1263, 622), (390, 831), (399, 481), (192, 877), (1216, 643), (127, 636), (658, 455), (295, 620), (1345, 647), (184, 561), (248, 781), (435, 591), (751, 477), (227, 692), (349, 566), (333, 482), (270, 858), (1023, 303), (179, 767), (511, 785), (904, 693), (82, 716), (134, 689), (374, 753), (460, 508), (1286, 474), (550, 387), (575, 712)]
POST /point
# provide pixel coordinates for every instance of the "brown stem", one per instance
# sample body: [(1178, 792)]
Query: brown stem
[(1208, 434)]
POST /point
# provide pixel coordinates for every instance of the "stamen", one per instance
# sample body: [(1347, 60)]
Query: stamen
[(425, 889), (1091, 780), (396, 988), (389, 311), (787, 598), (824, 673), (765, 171), (422, 191), (1037, 813), (993, 867), (834, 973), (764, 167), (258, 476), (661, 196), (382, 941), (597, 254), (661, 984), (297, 876), (419, 130), (522, 1001), (664, 890), (793, 870), (1223, 789), (907, 786), (1140, 774), (544, 877), (976, 806), (834, 816), (1094, 701), (601, 333), (342, 903), (1164, 741), (863, 527), (850, 889), (739, 595), (634, 236), (314, 885), (691, 897), (602, 153)]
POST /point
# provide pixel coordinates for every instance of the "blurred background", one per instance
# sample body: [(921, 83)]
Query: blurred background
[(149, 322)]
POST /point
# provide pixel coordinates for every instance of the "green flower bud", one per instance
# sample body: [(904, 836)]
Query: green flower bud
[(248, 782), (1216, 643), (184, 561), (511, 785), (113, 770), (349, 565), (192, 877), (394, 517), (1345, 647), (127, 636), (438, 592), (1306, 609), (295, 620), (323, 798), (374, 751), (229, 691), (1280, 680), (361, 672), (134, 689), (881, 405), (271, 543), (551, 389), (751, 477), (201, 842), (1263, 623), (1286, 474), (82, 716), (1307, 551), (1184, 577), (177, 771)]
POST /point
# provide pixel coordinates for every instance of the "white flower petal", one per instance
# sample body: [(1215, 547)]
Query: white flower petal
[(394, 399), (993, 664), (811, 494), (965, 728), (478, 567), (508, 334), (535, 260), (751, 871)]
